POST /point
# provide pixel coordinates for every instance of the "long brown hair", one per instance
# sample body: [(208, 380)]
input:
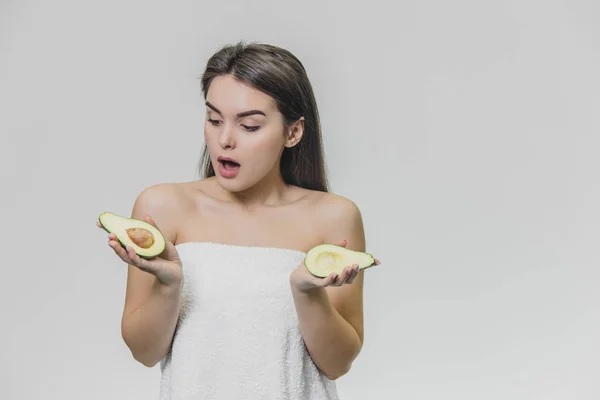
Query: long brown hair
[(278, 73)]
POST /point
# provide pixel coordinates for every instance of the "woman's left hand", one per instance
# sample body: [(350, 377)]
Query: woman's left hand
[(302, 280)]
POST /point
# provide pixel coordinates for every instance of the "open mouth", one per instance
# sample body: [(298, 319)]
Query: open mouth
[(228, 163)]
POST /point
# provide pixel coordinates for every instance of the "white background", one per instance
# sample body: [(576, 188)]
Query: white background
[(467, 132)]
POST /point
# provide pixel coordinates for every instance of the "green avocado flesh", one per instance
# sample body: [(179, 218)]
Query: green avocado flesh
[(145, 239), (324, 259)]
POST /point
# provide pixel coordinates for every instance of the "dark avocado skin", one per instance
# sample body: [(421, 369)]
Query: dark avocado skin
[(119, 240)]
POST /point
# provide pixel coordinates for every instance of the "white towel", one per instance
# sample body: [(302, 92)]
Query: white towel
[(238, 334)]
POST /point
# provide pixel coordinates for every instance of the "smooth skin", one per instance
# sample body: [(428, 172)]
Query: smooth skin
[(256, 208)]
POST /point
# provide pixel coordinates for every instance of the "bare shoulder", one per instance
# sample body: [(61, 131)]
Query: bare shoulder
[(165, 203), (160, 195), (337, 206), (341, 218)]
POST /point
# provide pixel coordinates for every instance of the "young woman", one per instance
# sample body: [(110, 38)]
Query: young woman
[(229, 309)]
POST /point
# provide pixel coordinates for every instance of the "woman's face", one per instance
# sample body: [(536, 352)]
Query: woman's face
[(244, 125)]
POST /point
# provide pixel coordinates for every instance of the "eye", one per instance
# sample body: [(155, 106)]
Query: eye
[(250, 128), (213, 121)]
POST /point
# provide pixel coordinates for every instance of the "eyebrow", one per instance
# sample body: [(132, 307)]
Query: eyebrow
[(240, 115)]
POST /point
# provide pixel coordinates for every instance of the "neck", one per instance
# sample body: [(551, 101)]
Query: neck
[(269, 191)]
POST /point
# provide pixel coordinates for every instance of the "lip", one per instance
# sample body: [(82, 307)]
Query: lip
[(221, 158), (225, 172)]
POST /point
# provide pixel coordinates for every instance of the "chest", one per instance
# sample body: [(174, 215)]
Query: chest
[(287, 227)]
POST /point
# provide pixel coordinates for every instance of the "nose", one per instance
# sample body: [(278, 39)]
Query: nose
[(226, 137)]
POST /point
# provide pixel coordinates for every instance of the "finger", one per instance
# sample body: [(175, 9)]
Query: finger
[(170, 252), (341, 243), (142, 263), (120, 251), (377, 262), (350, 273), (353, 276), (151, 221), (331, 279), (346, 273), (138, 261)]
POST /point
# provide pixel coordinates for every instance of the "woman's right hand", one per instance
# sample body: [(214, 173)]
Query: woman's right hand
[(166, 266)]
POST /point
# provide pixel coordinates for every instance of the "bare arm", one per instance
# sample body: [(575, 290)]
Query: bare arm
[(148, 330), (152, 307), (331, 318)]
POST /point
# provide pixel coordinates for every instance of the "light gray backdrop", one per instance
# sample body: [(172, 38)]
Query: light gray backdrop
[(467, 132)]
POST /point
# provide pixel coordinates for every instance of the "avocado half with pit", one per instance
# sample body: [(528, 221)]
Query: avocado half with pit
[(324, 259), (145, 239)]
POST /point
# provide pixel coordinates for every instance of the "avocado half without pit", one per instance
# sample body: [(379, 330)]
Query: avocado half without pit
[(325, 259), (145, 239)]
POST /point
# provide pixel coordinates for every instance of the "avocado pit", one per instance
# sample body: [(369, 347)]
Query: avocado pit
[(141, 237)]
